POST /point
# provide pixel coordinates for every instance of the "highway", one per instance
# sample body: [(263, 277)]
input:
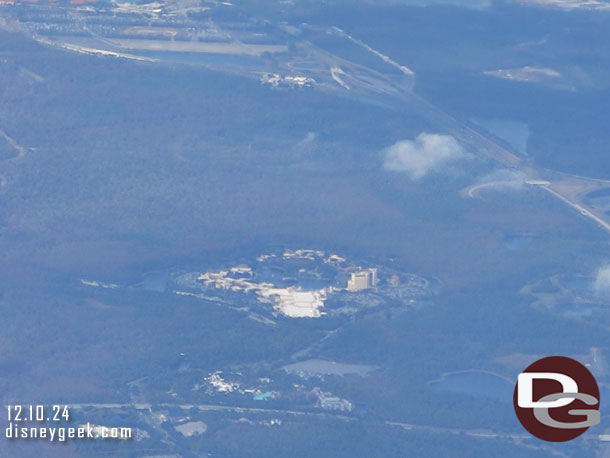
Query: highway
[(348, 79), (477, 141), (368, 85), (522, 438), (471, 191), (583, 211)]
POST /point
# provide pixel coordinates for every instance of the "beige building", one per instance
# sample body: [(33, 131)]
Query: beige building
[(363, 279)]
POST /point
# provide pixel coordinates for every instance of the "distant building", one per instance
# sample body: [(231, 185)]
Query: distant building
[(328, 401), (361, 280), (296, 81)]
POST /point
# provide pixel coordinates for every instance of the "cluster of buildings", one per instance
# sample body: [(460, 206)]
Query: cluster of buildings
[(275, 80), (310, 255), (291, 301), (220, 384), (295, 303), (329, 401)]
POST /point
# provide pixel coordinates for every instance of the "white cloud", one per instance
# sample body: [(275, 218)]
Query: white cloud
[(601, 285), (427, 153)]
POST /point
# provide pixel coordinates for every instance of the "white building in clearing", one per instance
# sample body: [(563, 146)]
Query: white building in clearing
[(294, 302), (361, 280)]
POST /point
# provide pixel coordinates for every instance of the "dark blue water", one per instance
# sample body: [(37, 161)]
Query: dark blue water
[(486, 385), (514, 133), (476, 383)]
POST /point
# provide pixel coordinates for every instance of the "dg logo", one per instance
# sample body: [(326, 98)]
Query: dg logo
[(557, 399)]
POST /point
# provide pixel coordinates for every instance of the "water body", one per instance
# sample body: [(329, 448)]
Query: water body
[(486, 385), (605, 192), (514, 133), (599, 198), (262, 396), (476, 383)]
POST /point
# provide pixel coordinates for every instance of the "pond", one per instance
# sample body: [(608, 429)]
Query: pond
[(476, 383)]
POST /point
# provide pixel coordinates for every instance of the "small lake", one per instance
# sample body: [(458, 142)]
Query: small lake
[(483, 384), (514, 133), (476, 383)]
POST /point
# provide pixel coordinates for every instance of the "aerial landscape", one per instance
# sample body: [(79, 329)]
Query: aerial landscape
[(296, 229)]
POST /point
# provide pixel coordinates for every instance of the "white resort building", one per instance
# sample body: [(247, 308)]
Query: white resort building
[(363, 279)]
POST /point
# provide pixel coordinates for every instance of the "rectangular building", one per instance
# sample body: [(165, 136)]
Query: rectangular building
[(362, 280)]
